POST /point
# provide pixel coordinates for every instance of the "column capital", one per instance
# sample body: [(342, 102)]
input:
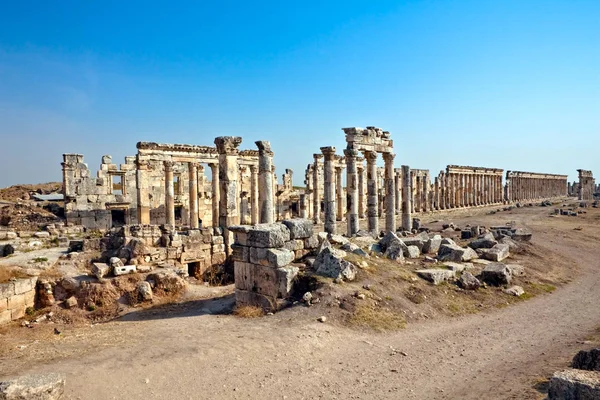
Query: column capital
[(264, 147), (193, 164), (228, 144), (317, 156), (253, 169), (351, 154), (370, 156), (328, 153), (168, 165), (387, 157)]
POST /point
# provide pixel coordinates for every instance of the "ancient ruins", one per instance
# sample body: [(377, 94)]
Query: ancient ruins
[(164, 197)]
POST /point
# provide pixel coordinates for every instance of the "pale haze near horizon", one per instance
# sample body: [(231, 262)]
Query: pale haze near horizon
[(512, 85)]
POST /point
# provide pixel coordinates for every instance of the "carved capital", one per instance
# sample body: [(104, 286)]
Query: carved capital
[(168, 165), (228, 144), (328, 153), (370, 156), (264, 148)]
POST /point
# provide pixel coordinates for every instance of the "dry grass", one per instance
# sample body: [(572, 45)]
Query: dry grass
[(248, 312), (376, 318), (7, 273)]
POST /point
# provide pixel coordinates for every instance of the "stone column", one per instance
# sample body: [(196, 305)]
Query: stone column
[(398, 191), (372, 214), (361, 190), (254, 195), (316, 191), (229, 213), (436, 193), (414, 203), (329, 189), (303, 210), (339, 189), (390, 193), (265, 182), (406, 199), (193, 178), (169, 194), (274, 177), (214, 168), (353, 191)]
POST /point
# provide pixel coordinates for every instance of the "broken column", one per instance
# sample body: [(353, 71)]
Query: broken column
[(406, 198), (169, 194), (193, 178), (329, 189), (372, 214), (265, 181), (353, 191), (390, 193)]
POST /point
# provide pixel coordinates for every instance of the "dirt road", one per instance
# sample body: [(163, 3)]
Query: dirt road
[(192, 352)]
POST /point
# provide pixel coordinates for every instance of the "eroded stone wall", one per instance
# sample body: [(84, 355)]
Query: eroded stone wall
[(15, 298)]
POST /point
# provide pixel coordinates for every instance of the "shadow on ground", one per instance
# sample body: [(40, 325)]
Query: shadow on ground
[(214, 306)]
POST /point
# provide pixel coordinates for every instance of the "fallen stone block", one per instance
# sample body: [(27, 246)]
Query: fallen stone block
[(497, 253), (514, 291), (458, 267), (468, 282), (115, 262), (42, 235), (71, 302), (587, 360), (485, 241), (413, 252), (387, 240), (432, 245), (124, 270), (100, 270), (436, 276), (521, 235), (38, 387), (496, 274), (417, 242), (574, 384), (338, 239), (453, 252), (299, 228), (331, 265), (395, 250), (516, 269)]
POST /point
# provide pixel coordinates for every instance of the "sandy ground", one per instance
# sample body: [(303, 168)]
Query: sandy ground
[(194, 351)]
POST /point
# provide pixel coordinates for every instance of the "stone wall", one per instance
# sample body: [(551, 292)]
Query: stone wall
[(263, 255), (15, 297), (99, 202)]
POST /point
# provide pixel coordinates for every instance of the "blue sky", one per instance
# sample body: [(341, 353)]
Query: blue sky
[(512, 84)]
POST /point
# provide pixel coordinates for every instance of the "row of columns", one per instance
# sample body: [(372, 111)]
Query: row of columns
[(531, 188), (225, 196), (456, 190)]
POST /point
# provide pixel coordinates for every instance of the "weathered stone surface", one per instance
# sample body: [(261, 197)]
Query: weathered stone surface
[(396, 249), (468, 282), (145, 290), (413, 252), (457, 267), (338, 239), (285, 280), (521, 235), (588, 360), (329, 264), (271, 257), (299, 228), (485, 241), (324, 245), (453, 252), (516, 269), (496, 274), (167, 281), (100, 270), (294, 245), (514, 291), (261, 235), (115, 262), (497, 253), (574, 384), (42, 235), (436, 276), (387, 240), (124, 270), (432, 245), (71, 302), (508, 241), (448, 241), (240, 253), (416, 241), (33, 387)]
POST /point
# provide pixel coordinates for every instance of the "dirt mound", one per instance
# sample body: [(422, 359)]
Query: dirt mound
[(24, 192), (26, 217)]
